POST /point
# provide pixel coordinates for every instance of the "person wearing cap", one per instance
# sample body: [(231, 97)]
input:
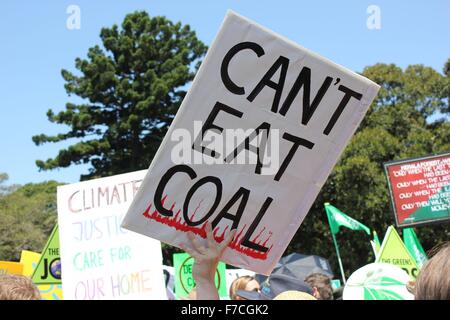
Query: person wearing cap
[(294, 295), (281, 287), (247, 283)]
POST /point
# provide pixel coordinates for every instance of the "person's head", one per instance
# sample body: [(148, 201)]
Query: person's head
[(320, 285), (294, 295), (15, 287), (433, 281), (246, 283), (274, 285), (337, 293)]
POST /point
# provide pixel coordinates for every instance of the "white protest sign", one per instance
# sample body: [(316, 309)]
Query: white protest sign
[(255, 82), (99, 259)]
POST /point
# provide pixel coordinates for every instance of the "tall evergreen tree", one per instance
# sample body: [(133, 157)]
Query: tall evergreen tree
[(131, 89)]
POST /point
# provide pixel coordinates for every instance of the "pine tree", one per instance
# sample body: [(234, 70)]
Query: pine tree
[(131, 89)]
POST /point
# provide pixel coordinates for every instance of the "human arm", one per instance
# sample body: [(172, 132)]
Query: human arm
[(206, 261)]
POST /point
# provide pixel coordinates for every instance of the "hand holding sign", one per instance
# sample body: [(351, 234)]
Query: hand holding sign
[(206, 260)]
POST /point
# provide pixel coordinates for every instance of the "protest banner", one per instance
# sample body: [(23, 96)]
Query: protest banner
[(100, 259), (9, 267), (30, 260), (48, 269), (254, 140), (420, 190), (377, 281), (184, 281), (394, 251)]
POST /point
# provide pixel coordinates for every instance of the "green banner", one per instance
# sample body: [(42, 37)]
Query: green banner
[(48, 269), (184, 281)]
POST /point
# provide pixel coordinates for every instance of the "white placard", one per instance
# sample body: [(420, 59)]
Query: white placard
[(251, 80), (99, 259)]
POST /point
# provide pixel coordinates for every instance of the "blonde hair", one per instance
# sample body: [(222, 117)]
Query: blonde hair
[(239, 284), (294, 295), (17, 287), (433, 282)]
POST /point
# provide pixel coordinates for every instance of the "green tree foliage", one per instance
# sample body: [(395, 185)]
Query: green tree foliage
[(409, 118), (3, 177), (27, 217), (131, 88)]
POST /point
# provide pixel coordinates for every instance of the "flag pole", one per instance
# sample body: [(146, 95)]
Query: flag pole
[(338, 256), (334, 240)]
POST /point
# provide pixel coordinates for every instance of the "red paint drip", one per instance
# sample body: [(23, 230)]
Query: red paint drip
[(235, 244)]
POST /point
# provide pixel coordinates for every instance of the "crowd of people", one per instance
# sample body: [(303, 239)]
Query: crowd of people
[(432, 283)]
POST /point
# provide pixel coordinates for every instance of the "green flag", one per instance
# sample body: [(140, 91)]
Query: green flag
[(414, 247), (337, 218), (375, 243), (376, 240)]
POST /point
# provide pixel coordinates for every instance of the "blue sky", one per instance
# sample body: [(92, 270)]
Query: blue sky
[(36, 45)]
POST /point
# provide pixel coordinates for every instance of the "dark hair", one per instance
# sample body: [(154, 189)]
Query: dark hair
[(433, 282), (323, 285)]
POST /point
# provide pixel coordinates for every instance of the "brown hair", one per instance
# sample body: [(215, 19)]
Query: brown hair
[(433, 282), (16, 287), (239, 284), (322, 283)]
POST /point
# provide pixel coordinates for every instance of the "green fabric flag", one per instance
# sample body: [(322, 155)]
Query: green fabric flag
[(376, 240), (337, 218), (375, 243), (414, 247)]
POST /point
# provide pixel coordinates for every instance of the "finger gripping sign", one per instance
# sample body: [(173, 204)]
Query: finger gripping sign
[(301, 110)]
